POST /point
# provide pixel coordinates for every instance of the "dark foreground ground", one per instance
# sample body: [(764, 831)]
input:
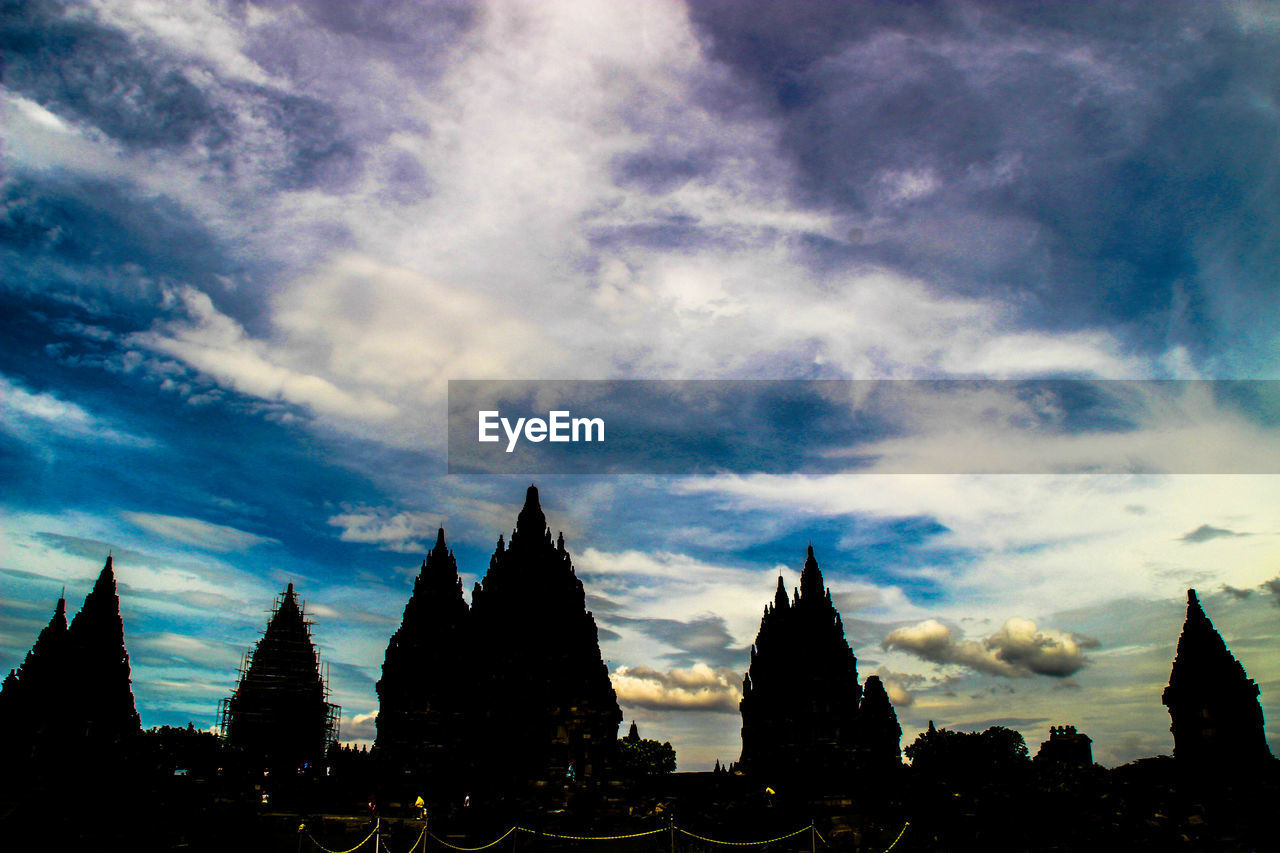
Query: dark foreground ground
[(1149, 805)]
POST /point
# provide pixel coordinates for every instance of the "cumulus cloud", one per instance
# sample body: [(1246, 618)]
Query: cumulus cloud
[(360, 728), (897, 686), (696, 688), (1018, 650)]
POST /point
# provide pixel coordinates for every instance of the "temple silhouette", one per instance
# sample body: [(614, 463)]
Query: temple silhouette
[(1214, 710), (73, 695), (503, 711), (1066, 748), (425, 694), (279, 715), (805, 716)]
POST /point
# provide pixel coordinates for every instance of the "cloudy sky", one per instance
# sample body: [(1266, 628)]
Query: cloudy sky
[(244, 247)]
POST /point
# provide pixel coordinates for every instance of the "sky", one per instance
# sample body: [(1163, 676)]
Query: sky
[(245, 246)]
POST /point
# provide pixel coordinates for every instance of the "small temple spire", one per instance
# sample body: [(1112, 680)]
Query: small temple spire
[(531, 522), (811, 577)]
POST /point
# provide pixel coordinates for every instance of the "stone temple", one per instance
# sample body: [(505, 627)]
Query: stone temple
[(545, 703), (1216, 716), (279, 715), (509, 692), (72, 697), (427, 676), (805, 717)]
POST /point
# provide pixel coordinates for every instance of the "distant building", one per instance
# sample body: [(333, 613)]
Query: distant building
[(1215, 712), (804, 714), (280, 713), (1066, 747)]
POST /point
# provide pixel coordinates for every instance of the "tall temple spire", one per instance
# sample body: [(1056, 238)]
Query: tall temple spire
[(101, 663), (427, 678), (35, 696), (537, 640), (279, 712), (801, 695), (780, 601), (531, 523), (811, 585), (1214, 709), (879, 733)]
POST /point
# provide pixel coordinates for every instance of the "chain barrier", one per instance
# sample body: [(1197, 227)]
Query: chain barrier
[(327, 850), (589, 837), (899, 838), (498, 840), (745, 843), (422, 836)]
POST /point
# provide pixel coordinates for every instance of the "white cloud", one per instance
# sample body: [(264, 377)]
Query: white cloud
[(1019, 649), (404, 532), (697, 688), (216, 345), (195, 532), (32, 416), (1034, 542)]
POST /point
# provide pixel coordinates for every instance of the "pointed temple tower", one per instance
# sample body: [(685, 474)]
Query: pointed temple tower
[(1213, 704), (279, 712), (426, 679), (879, 736), (101, 665), (72, 694), (801, 697), (546, 703), (34, 700)]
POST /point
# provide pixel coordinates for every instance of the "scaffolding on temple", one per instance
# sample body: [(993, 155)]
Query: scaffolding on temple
[(280, 711)]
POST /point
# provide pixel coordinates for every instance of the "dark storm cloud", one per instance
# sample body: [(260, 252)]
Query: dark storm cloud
[(95, 74), (143, 97), (415, 23), (71, 232), (1206, 532), (1111, 162), (1273, 588), (704, 639)]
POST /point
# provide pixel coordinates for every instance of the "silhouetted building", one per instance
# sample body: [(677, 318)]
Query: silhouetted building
[(1066, 747), (1216, 717), (280, 713), (546, 706), (427, 676), (34, 701), (801, 697), (879, 735), (72, 695), (100, 665)]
